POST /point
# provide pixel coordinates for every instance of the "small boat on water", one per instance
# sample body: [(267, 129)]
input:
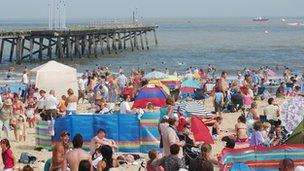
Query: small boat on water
[(293, 24), (260, 19)]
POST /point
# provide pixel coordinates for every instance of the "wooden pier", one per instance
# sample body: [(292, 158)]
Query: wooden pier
[(29, 45)]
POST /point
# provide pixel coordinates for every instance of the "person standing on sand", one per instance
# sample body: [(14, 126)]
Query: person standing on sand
[(7, 155), (71, 102), (6, 112), (81, 88), (222, 84), (73, 157), (59, 151), (50, 105)]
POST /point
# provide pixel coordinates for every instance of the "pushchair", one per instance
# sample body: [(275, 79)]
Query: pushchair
[(190, 150), (236, 102)]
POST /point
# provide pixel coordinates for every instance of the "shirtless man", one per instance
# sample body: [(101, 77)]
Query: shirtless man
[(73, 157), (100, 139), (71, 102), (223, 86), (59, 151)]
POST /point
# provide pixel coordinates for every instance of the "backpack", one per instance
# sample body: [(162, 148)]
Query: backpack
[(27, 158)]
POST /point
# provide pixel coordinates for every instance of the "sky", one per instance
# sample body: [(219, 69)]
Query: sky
[(38, 9)]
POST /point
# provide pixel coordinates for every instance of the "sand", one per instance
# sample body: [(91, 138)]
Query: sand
[(229, 120)]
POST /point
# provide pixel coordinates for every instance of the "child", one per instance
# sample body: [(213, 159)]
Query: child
[(265, 133), (62, 106), (21, 128), (152, 156), (218, 102), (30, 116), (7, 155), (256, 136), (216, 127)]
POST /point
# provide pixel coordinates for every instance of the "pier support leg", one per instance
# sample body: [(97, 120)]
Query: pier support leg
[(1, 49), (114, 43), (155, 38), (18, 51), (90, 45), (40, 48), (119, 41), (68, 48), (135, 41), (83, 46), (108, 44), (141, 41), (60, 48), (101, 43), (147, 43), (124, 41), (31, 49), (94, 46), (49, 53), (22, 47), (12, 50), (77, 47), (131, 43)]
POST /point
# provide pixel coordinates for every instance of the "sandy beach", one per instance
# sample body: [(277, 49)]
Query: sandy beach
[(229, 120)]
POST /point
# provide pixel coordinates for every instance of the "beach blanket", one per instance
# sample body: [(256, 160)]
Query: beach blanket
[(262, 158)]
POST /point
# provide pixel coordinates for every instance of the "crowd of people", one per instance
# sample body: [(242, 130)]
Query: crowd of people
[(106, 91)]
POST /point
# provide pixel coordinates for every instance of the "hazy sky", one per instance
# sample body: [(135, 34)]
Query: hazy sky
[(155, 8)]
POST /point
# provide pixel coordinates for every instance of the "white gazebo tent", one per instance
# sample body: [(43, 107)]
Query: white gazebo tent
[(56, 76)]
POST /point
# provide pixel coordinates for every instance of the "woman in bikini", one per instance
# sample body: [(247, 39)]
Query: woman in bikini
[(18, 110), (241, 129)]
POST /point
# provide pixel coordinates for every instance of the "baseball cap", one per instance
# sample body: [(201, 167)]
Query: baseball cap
[(64, 133)]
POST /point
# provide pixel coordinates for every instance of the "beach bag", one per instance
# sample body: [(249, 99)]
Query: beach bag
[(27, 158)]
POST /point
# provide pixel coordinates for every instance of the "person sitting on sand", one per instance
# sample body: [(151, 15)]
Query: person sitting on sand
[(59, 151), (203, 160), (170, 162), (100, 139), (286, 165), (216, 127), (150, 107), (281, 90), (256, 136), (241, 129), (73, 157), (152, 156), (107, 161), (252, 113), (272, 112)]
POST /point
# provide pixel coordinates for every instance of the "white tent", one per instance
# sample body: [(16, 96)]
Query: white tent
[(56, 76)]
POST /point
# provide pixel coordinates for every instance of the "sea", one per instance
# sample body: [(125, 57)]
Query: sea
[(230, 44)]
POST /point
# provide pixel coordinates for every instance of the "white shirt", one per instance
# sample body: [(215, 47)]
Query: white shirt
[(50, 102), (81, 84), (124, 107), (189, 76), (25, 79), (40, 103), (122, 80)]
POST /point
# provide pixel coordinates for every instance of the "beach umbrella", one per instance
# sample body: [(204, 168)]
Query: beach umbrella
[(292, 113), (240, 167), (150, 93), (160, 84), (188, 86), (172, 82), (155, 75), (193, 108), (200, 131)]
